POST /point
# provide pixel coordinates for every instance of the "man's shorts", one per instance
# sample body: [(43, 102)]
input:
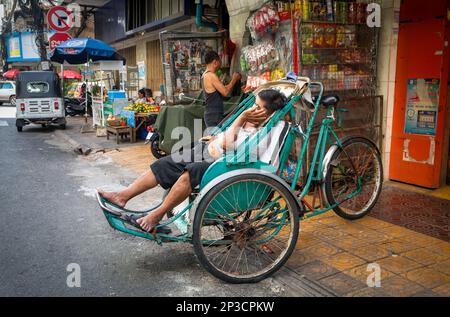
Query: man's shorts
[(168, 169)]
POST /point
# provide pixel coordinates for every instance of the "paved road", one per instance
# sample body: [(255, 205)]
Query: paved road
[(49, 219)]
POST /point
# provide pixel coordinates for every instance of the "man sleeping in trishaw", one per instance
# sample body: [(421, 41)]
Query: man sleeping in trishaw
[(182, 173)]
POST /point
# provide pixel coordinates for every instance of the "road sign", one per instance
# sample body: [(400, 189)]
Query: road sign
[(60, 19), (57, 39)]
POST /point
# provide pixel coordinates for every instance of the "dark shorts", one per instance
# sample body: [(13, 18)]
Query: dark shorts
[(168, 169)]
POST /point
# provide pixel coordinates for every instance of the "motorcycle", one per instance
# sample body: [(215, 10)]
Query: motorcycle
[(77, 106)]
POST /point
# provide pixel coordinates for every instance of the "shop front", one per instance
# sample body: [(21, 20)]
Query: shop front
[(329, 42), (420, 130)]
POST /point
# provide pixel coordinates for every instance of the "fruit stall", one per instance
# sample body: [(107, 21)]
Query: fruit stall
[(139, 117)]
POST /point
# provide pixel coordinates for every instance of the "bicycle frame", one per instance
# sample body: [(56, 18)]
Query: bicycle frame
[(327, 136)]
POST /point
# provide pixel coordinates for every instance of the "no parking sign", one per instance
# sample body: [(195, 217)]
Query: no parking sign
[(60, 19)]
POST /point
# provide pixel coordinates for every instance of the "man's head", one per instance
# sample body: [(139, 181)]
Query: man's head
[(148, 93), (141, 93), (271, 100), (212, 59)]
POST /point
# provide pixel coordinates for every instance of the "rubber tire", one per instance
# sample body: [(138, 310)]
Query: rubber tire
[(11, 99), (156, 151), (63, 126), (19, 129), (197, 226), (327, 181)]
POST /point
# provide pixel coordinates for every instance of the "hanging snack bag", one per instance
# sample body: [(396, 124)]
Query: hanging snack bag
[(340, 37), (352, 12), (264, 21), (330, 36), (307, 36), (361, 14), (319, 36), (315, 10), (350, 37)]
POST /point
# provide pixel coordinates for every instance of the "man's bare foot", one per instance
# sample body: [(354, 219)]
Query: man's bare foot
[(149, 222), (113, 197)]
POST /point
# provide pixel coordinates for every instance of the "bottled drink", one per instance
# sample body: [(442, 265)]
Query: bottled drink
[(330, 10), (305, 10)]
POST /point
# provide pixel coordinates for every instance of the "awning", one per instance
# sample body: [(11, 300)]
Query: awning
[(82, 50), (70, 74), (10, 74)]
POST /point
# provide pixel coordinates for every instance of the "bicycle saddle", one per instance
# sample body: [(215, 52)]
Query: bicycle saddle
[(328, 101)]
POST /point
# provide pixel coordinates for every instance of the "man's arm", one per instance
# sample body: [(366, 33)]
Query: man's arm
[(253, 114), (221, 88)]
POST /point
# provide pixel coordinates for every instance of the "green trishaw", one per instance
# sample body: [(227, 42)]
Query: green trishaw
[(244, 219)]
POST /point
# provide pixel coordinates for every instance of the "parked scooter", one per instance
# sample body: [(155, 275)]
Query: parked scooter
[(77, 106)]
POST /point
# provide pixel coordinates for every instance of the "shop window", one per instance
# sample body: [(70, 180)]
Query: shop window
[(142, 12)]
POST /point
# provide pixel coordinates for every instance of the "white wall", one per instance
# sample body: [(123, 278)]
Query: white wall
[(387, 62)]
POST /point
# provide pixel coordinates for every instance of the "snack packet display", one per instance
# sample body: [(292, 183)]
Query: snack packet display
[(264, 21), (257, 59)]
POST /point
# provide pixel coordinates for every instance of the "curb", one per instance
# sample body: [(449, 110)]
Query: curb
[(78, 148)]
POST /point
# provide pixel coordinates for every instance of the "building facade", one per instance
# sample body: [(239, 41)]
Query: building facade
[(133, 28)]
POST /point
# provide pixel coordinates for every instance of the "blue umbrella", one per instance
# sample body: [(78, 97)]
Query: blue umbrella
[(83, 50)]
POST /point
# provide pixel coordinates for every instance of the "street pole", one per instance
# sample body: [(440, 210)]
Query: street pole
[(6, 28)]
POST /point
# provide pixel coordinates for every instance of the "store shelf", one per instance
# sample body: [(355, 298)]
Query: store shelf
[(335, 48), (339, 64), (331, 22)]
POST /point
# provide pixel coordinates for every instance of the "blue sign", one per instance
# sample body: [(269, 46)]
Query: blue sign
[(21, 47)]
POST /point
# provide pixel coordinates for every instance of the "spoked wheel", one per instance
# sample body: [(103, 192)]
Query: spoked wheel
[(245, 228), (354, 178), (156, 151)]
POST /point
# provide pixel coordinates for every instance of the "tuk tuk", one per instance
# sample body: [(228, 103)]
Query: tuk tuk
[(39, 99)]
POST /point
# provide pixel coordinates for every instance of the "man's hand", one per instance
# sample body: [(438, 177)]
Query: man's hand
[(254, 115), (207, 138), (236, 76)]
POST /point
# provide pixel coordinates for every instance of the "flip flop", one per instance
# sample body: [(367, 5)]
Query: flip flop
[(132, 220), (123, 209)]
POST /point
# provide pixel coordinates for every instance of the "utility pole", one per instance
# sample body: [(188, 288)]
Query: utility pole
[(33, 12), (38, 26), (6, 28)]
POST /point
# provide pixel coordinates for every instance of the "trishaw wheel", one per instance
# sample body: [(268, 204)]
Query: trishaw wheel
[(355, 171), (246, 228)]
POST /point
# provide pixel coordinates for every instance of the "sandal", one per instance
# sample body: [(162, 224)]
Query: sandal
[(132, 220)]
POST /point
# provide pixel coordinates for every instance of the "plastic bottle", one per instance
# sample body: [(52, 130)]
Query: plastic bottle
[(330, 10), (305, 10), (298, 8)]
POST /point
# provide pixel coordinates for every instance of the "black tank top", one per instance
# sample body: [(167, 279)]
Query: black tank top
[(214, 101)]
